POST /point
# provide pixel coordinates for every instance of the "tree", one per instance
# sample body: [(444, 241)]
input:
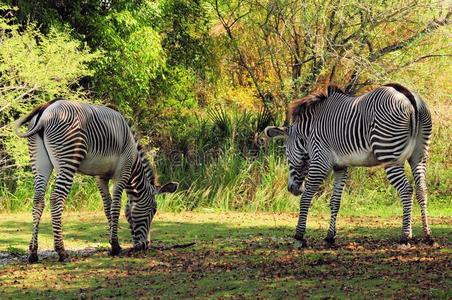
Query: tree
[(34, 68), (299, 46)]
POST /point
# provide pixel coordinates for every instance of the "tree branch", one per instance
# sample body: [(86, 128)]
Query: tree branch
[(433, 25), (242, 58)]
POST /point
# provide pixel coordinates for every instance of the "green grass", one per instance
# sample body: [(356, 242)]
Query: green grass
[(236, 255)]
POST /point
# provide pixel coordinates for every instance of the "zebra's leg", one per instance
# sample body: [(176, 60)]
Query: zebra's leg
[(42, 168), (340, 175), (102, 184), (398, 179), (316, 174), (418, 170), (418, 163), (114, 215), (63, 184), (129, 217)]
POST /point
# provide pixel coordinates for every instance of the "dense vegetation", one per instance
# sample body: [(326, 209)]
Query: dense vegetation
[(200, 79)]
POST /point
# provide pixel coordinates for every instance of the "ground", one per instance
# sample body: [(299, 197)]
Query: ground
[(236, 255)]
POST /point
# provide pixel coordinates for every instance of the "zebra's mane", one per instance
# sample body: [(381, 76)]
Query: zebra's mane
[(148, 169), (297, 107)]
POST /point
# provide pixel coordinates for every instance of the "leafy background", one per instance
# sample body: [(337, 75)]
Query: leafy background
[(200, 79)]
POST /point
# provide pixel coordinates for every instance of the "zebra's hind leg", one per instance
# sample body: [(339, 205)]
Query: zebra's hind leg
[(38, 207), (42, 168), (340, 175), (398, 179), (102, 184), (129, 216), (418, 170), (63, 184)]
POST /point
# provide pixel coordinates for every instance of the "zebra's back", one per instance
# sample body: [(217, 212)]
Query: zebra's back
[(102, 133), (367, 130)]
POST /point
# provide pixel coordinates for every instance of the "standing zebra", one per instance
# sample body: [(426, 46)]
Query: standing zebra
[(92, 140), (333, 131)]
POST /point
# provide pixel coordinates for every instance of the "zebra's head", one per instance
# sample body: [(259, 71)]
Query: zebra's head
[(147, 194), (142, 206), (297, 156)]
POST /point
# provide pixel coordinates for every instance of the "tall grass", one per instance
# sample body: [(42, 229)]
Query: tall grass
[(219, 167)]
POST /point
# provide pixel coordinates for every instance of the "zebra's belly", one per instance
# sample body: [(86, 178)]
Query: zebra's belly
[(95, 165), (363, 158)]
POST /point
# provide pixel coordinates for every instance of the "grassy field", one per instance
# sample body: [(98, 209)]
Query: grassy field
[(236, 255)]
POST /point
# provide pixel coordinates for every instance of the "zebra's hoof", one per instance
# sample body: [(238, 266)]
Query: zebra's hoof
[(404, 240), (141, 246), (429, 240), (115, 250), (330, 240), (300, 243), (33, 258), (63, 256)]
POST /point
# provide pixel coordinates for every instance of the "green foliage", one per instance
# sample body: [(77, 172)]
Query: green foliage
[(186, 26), (192, 78), (34, 68), (133, 57)]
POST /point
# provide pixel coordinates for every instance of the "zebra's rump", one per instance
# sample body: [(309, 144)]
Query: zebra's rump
[(96, 139)]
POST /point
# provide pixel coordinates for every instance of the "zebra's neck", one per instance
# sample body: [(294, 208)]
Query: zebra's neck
[(143, 178), (149, 173), (304, 122)]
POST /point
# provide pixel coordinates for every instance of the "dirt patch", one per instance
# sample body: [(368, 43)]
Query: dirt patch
[(48, 255), (9, 258)]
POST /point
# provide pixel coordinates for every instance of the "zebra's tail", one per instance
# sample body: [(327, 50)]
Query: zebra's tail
[(414, 122), (37, 125)]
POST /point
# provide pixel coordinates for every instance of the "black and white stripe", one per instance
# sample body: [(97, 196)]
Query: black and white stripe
[(93, 140), (333, 131)]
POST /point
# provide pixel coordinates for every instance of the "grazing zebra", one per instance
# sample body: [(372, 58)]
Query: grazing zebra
[(333, 131), (93, 140)]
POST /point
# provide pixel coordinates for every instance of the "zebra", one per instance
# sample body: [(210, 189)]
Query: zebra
[(332, 131), (93, 140)]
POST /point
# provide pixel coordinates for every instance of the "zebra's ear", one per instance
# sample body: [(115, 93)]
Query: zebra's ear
[(273, 131), (170, 187)]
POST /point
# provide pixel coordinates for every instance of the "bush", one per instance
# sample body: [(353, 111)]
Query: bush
[(34, 68)]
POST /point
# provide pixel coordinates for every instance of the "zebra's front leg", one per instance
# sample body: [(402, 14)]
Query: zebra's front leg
[(316, 174), (102, 184), (398, 179), (63, 184), (114, 215), (340, 175)]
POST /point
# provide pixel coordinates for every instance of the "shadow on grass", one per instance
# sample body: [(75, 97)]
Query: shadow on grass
[(204, 233), (232, 261), (184, 232)]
